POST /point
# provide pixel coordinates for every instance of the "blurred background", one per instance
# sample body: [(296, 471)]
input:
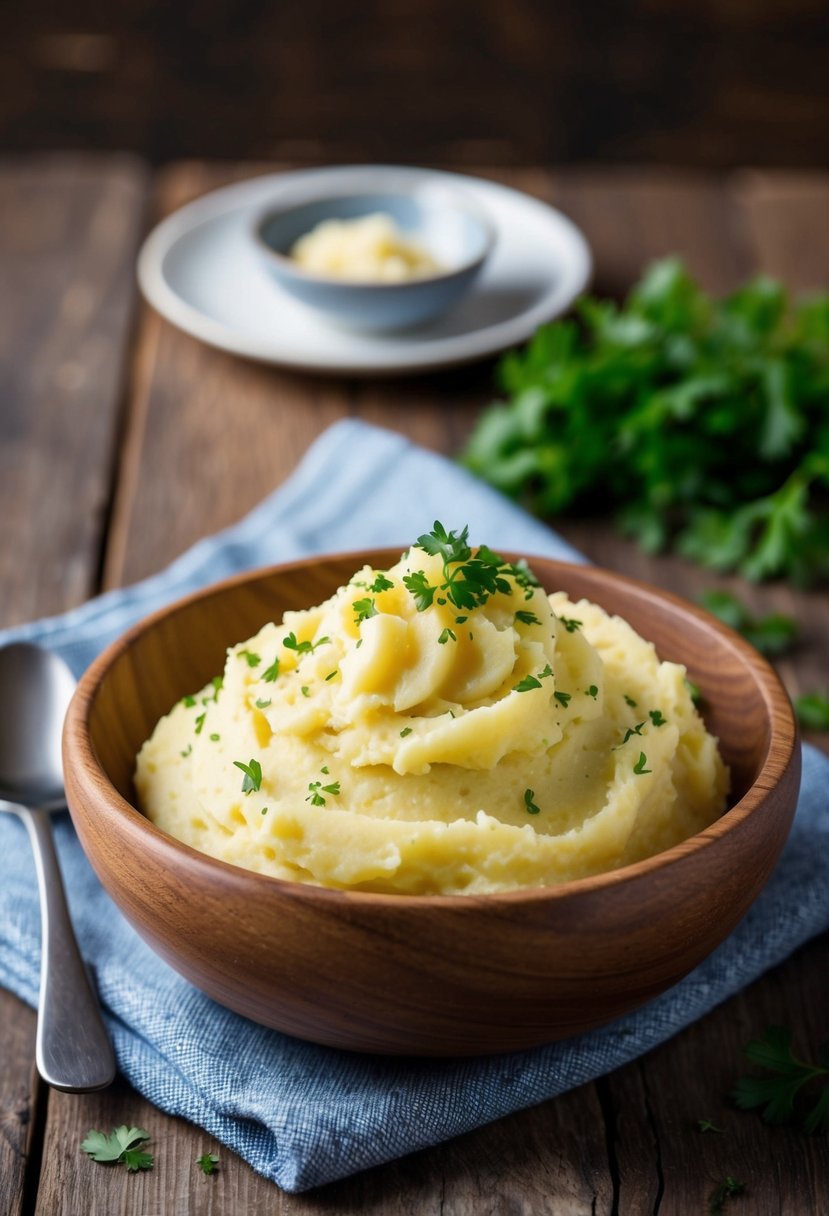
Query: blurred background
[(708, 84)]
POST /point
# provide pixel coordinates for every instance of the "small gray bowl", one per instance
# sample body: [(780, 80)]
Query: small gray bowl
[(451, 228)]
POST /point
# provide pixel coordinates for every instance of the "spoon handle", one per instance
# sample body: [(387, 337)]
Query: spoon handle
[(73, 1050)]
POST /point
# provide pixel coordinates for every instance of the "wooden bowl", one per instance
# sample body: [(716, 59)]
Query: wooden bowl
[(427, 975)]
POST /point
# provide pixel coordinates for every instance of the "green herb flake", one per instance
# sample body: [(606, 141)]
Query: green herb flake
[(381, 583), (208, 1163), (446, 635), (563, 698), (363, 609), (215, 737), (631, 731), (657, 718), (407, 730), (592, 691), (189, 701), (639, 766), (630, 701), (199, 723), (527, 618), (188, 749), (529, 804), (261, 703), (331, 675), (253, 775), (271, 673), (527, 684), (470, 577), (570, 624), (705, 1125), (305, 690), (316, 790), (252, 660)]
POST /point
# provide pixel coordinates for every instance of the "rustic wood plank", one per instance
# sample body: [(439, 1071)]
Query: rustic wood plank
[(20, 1094), (68, 233), (68, 236)]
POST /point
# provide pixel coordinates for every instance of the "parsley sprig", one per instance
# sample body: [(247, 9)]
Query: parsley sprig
[(786, 1075), (700, 424), (253, 775), (470, 577), (124, 1146)]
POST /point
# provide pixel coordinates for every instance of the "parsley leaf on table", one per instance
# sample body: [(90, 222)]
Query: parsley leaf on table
[(700, 424), (124, 1146), (776, 1092), (208, 1163)]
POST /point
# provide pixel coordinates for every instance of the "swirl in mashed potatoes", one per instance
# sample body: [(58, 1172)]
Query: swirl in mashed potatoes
[(444, 726)]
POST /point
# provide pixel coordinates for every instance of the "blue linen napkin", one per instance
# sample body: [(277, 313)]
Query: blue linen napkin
[(304, 1115)]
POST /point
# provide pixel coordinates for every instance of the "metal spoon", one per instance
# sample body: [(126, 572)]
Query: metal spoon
[(73, 1050)]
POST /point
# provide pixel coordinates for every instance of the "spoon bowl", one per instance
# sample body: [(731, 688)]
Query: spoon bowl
[(73, 1051)]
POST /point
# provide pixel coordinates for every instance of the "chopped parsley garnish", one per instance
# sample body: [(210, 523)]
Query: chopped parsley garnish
[(188, 749), (208, 1163), (200, 723), (306, 647), (261, 703), (407, 730), (656, 716), (529, 805), (264, 810), (420, 589), (630, 701), (447, 635), (705, 1125), (381, 583), (570, 624), (189, 701), (631, 731), (252, 660), (527, 618), (214, 738), (527, 684), (316, 790), (461, 620), (363, 609), (218, 684), (639, 766), (548, 671), (563, 698), (469, 578), (270, 674), (253, 775), (306, 692), (592, 691)]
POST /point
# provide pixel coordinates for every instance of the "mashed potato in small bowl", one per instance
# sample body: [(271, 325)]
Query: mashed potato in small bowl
[(442, 802)]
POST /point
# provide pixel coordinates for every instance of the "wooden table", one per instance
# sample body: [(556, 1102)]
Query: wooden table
[(124, 441)]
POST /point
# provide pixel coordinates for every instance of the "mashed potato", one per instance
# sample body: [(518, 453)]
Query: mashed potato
[(440, 727), (369, 249)]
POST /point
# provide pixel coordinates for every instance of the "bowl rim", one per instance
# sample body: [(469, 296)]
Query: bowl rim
[(781, 753), (290, 269)]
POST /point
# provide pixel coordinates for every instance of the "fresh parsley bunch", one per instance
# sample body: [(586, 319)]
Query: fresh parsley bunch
[(700, 424)]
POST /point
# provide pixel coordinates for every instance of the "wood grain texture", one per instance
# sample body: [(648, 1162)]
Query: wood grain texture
[(426, 975), (727, 228), (68, 234), (68, 237)]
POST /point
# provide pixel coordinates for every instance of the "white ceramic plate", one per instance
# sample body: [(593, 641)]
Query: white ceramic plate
[(200, 269)]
